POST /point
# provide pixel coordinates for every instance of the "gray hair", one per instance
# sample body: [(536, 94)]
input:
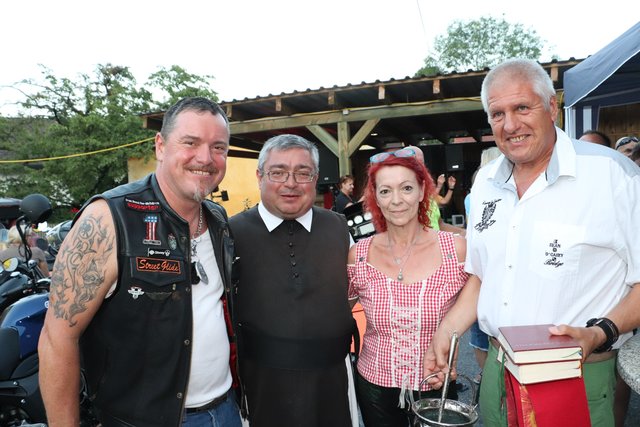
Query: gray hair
[(287, 142), (198, 104), (520, 69)]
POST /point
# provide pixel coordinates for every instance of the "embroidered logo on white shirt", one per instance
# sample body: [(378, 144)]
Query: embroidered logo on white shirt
[(487, 213)]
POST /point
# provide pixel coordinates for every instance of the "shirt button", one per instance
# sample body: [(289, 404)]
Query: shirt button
[(296, 275), (179, 395), (292, 254), (187, 342), (509, 266), (505, 304), (290, 244), (293, 263)]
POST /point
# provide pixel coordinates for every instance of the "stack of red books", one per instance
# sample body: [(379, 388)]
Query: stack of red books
[(533, 355), (543, 379)]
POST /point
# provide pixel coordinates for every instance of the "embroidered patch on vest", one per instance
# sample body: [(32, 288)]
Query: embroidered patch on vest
[(554, 257), (140, 206), (135, 292), (151, 221), (173, 244), (152, 252), (154, 265), (487, 213)]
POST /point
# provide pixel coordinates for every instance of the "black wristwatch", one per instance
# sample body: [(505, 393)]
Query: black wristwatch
[(610, 330)]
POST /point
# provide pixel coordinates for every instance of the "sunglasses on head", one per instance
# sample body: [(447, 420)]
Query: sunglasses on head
[(402, 153), (625, 141)]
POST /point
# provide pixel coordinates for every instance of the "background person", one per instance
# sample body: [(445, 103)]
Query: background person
[(405, 277), (345, 192), (145, 270), (451, 185), (626, 144), (635, 154), (596, 137), (534, 256), (15, 249), (294, 320)]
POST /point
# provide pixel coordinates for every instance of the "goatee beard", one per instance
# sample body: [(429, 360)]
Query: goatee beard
[(200, 194)]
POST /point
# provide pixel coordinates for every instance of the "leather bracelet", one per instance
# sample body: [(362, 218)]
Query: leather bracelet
[(610, 330)]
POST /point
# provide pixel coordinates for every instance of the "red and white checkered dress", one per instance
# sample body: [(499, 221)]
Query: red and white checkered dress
[(402, 317)]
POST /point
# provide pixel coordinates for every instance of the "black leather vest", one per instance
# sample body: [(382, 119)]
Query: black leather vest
[(136, 351)]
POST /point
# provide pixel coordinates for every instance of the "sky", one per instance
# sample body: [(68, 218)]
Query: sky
[(261, 47)]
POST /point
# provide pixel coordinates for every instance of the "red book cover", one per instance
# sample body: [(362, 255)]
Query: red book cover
[(534, 344), (549, 404)]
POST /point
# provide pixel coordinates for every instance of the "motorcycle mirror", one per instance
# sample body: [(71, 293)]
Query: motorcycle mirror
[(36, 208)]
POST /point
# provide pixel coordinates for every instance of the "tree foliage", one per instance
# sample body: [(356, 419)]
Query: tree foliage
[(478, 44), (95, 112)]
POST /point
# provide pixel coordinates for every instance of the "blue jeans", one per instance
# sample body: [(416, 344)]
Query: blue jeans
[(226, 414), (478, 339)]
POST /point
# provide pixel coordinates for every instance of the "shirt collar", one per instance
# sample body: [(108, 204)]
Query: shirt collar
[(562, 162), (272, 221)]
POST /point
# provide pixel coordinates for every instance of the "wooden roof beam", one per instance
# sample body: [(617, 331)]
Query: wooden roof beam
[(332, 100), (359, 114), (383, 95), (282, 108)]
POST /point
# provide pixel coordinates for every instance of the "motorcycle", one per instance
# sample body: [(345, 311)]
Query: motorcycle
[(24, 300), (55, 236)]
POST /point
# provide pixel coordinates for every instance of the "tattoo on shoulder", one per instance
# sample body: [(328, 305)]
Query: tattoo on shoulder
[(80, 268)]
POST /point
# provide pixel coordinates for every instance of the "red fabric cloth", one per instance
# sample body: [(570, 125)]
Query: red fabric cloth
[(548, 404)]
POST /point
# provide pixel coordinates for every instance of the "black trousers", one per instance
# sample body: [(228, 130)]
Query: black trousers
[(379, 405)]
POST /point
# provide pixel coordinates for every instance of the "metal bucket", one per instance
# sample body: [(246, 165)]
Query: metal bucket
[(454, 413)]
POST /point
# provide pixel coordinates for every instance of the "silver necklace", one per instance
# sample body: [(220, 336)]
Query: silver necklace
[(402, 260), (194, 250)]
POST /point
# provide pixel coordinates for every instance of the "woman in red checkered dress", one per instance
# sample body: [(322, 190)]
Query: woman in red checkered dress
[(406, 277)]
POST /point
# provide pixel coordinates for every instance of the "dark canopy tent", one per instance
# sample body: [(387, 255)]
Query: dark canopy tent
[(610, 77)]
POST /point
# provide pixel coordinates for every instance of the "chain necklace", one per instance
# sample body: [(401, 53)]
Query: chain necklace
[(402, 260), (194, 250)]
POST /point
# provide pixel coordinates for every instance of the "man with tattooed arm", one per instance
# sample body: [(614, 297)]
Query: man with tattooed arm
[(139, 292)]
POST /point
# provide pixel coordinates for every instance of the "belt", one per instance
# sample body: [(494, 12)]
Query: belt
[(208, 406), (593, 357)]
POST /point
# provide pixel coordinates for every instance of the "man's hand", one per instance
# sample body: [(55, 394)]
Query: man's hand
[(589, 338)]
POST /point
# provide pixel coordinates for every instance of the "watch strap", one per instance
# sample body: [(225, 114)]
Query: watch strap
[(610, 330)]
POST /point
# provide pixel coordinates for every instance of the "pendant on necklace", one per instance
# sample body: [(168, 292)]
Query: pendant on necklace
[(400, 277), (201, 273)]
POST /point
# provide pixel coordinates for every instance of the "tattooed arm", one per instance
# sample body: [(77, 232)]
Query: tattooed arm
[(85, 269)]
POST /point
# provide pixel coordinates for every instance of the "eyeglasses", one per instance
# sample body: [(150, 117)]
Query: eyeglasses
[(625, 141), (298, 177), (402, 153)]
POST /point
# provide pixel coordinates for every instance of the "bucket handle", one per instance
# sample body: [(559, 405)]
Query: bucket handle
[(474, 391)]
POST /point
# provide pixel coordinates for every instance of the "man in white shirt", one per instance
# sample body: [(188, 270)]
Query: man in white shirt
[(550, 238)]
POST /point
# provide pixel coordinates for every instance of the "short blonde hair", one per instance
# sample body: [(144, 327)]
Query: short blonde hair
[(14, 236)]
